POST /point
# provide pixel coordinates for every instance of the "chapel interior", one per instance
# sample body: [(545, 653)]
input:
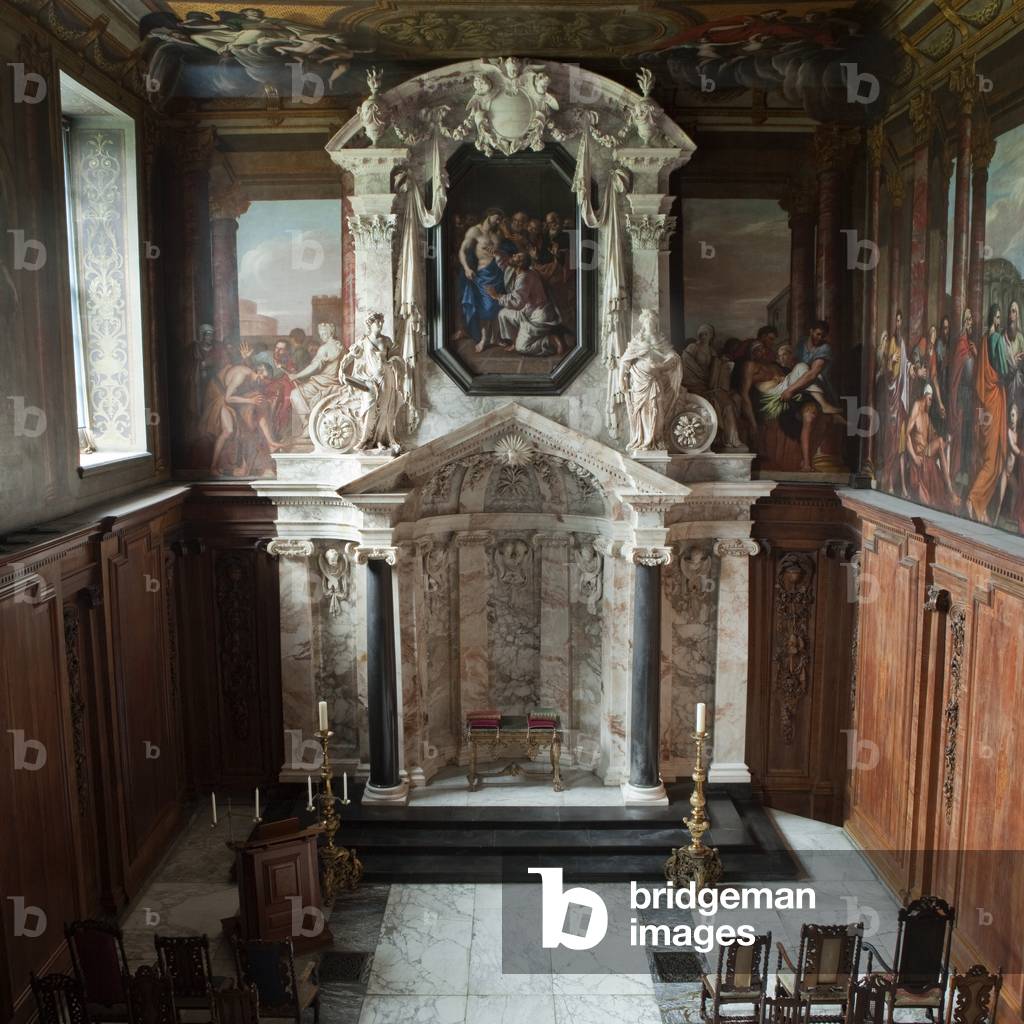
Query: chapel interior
[(444, 440)]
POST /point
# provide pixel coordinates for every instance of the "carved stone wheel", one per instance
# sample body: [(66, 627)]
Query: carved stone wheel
[(332, 427), (694, 427)]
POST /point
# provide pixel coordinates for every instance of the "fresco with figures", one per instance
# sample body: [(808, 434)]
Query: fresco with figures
[(950, 402)]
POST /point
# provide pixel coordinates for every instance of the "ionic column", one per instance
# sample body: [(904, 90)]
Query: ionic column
[(982, 150), (227, 204), (372, 225), (650, 227), (922, 119), (729, 756), (645, 785), (385, 784), (555, 646), (963, 84), (800, 205)]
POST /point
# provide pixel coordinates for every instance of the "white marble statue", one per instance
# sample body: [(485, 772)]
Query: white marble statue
[(373, 368), (371, 110), (708, 374), (651, 377), (320, 375), (588, 568)]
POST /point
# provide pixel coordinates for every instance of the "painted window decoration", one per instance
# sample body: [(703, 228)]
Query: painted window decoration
[(104, 280), (252, 389), (771, 376)]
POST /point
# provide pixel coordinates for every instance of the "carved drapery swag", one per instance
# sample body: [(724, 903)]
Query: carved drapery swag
[(615, 293), (411, 288)]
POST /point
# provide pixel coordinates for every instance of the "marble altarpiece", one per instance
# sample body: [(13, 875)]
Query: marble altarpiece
[(494, 556)]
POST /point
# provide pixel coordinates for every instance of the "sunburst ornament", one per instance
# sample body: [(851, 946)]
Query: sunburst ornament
[(514, 449)]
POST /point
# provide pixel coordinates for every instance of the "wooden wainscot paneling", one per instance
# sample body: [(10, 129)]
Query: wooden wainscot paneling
[(801, 631), (41, 860), (886, 720)]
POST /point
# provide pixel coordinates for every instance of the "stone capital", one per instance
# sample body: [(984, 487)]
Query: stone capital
[(473, 537), (922, 116), (287, 547), (364, 554), (227, 202), (736, 547), (650, 231), (373, 231), (963, 83), (648, 556), (550, 538)]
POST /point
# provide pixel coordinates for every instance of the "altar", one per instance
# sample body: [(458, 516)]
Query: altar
[(456, 535)]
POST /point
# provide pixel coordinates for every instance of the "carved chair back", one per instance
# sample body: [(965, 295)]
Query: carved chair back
[(786, 1010), (186, 961), (869, 1000), (150, 997), (99, 961), (925, 932), (744, 968), (974, 996), (828, 960), (270, 968), (60, 999), (235, 1005)]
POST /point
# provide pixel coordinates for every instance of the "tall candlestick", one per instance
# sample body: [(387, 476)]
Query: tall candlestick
[(309, 792), (257, 814), (213, 808), (344, 787), (701, 716), (323, 715)]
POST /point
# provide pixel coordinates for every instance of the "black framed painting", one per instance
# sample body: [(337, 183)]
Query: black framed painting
[(513, 288)]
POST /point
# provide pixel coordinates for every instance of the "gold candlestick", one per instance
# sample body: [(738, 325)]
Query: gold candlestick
[(342, 868), (696, 863)]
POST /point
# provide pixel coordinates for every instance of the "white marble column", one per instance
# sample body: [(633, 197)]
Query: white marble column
[(298, 675), (555, 648), (373, 224), (474, 634), (728, 763)]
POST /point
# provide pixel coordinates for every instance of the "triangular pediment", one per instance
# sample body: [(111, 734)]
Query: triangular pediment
[(515, 435)]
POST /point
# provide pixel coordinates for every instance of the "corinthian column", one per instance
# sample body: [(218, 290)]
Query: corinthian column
[(372, 226), (729, 758), (922, 119), (227, 204), (800, 205), (831, 145), (963, 83), (983, 149), (645, 785)]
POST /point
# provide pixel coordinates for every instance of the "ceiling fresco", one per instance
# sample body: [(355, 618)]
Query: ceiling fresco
[(302, 51)]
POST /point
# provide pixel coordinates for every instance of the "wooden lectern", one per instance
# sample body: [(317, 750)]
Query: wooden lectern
[(278, 875)]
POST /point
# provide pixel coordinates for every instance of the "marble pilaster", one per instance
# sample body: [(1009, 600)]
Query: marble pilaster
[(728, 763), (411, 610), (617, 611), (474, 631), (555, 649)]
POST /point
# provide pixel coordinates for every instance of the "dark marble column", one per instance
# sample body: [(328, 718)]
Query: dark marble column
[(876, 140), (831, 153), (922, 120), (381, 676), (645, 701), (982, 150), (963, 83), (226, 205), (800, 205)]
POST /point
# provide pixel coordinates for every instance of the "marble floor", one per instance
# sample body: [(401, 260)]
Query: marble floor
[(437, 949)]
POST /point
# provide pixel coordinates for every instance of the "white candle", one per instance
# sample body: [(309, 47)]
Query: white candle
[(344, 786), (309, 791), (257, 814), (213, 807), (323, 715), (701, 715)]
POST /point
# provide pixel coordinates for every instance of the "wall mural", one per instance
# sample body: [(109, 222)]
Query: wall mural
[(951, 402), (774, 394), (249, 391)]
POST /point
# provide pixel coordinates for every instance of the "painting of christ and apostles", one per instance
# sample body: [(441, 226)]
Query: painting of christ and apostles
[(513, 288)]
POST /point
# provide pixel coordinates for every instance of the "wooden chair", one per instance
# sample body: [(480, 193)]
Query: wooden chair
[(785, 1010), (826, 968), (270, 967), (871, 1000), (235, 1005), (921, 973), (742, 977), (100, 964), (60, 999), (186, 961), (150, 997), (974, 996)]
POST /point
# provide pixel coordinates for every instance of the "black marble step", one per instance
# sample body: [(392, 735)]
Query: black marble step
[(510, 839)]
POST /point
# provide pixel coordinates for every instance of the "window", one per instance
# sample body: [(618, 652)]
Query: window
[(105, 290)]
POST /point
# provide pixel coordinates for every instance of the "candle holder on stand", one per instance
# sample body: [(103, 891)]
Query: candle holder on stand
[(341, 867), (696, 863)]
